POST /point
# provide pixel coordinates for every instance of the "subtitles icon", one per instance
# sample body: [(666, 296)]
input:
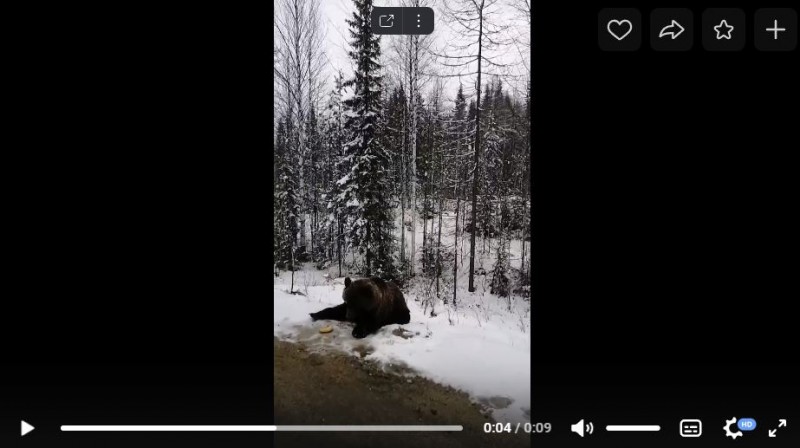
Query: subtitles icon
[(691, 428)]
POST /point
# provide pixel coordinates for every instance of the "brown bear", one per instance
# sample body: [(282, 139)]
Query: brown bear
[(370, 303)]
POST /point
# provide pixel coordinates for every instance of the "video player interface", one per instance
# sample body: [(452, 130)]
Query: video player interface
[(487, 223)]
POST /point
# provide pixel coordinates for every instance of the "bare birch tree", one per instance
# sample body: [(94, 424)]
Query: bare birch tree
[(298, 69)]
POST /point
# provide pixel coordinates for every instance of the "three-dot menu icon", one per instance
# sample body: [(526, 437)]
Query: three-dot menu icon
[(417, 20)]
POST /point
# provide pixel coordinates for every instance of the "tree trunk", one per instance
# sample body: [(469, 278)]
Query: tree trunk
[(522, 262), (425, 249), (455, 247), (477, 149), (313, 219), (413, 137), (291, 257), (340, 230), (437, 268), (432, 220), (368, 242), (403, 194), (402, 229)]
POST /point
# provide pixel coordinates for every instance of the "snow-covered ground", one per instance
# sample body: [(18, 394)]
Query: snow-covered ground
[(482, 347)]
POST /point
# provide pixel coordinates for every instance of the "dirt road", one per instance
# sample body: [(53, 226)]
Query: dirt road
[(335, 389)]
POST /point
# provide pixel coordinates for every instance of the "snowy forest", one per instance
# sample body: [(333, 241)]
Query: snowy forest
[(405, 157)]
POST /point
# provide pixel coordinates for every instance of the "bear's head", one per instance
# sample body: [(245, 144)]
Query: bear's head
[(359, 297)]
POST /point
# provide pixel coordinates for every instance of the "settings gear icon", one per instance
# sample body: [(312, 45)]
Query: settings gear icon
[(727, 428)]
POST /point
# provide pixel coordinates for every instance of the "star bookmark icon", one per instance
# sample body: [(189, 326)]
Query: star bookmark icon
[(719, 25), (724, 31)]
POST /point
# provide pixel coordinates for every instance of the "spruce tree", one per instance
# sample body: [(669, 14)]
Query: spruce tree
[(365, 189)]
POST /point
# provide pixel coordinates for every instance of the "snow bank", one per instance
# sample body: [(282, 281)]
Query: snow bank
[(482, 349)]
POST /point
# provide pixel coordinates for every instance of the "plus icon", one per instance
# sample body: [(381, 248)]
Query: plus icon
[(775, 30)]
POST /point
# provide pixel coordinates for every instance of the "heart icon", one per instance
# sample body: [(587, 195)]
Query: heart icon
[(619, 28)]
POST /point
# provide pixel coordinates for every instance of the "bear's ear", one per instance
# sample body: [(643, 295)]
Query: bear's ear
[(347, 282)]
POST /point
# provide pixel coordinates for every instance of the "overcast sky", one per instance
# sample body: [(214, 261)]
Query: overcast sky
[(335, 12)]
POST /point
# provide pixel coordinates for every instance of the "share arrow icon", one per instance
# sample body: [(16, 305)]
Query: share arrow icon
[(673, 30)]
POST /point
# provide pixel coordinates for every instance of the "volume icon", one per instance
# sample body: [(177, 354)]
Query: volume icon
[(582, 428)]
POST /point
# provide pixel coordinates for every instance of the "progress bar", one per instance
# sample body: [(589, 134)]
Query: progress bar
[(257, 428), (633, 428)]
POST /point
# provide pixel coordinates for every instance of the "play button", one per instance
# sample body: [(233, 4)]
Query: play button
[(25, 428)]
